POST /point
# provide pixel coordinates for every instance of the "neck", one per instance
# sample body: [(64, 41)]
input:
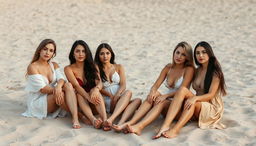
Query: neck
[(179, 66), (107, 65), (41, 61), (205, 65), (79, 64)]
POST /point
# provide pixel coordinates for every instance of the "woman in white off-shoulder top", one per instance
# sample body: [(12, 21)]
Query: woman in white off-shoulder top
[(48, 94)]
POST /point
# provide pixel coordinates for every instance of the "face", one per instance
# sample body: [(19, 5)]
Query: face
[(105, 55), (179, 55), (201, 55), (79, 53), (47, 52)]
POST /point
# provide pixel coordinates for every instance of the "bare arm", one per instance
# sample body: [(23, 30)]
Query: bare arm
[(122, 83), (212, 91), (72, 79), (205, 97), (160, 78), (32, 69), (188, 76)]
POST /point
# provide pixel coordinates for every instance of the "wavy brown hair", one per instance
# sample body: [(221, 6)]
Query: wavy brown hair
[(40, 47)]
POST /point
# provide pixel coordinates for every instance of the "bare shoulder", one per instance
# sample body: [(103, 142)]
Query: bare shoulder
[(119, 67), (55, 65), (68, 68), (32, 69), (167, 67), (215, 77), (189, 69)]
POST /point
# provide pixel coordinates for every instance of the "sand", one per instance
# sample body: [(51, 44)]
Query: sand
[(143, 34)]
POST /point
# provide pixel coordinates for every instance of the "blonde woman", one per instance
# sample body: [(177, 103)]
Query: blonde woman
[(174, 75)]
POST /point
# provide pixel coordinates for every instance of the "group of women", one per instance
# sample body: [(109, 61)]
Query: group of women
[(94, 90)]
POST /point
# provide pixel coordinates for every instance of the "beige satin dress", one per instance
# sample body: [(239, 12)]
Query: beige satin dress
[(211, 111)]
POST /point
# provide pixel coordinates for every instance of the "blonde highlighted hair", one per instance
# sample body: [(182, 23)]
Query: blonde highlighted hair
[(189, 54)]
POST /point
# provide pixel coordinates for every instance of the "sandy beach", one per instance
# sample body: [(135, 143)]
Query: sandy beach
[(143, 34)]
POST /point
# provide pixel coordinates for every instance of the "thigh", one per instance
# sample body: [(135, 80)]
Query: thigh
[(166, 107), (197, 109), (51, 104)]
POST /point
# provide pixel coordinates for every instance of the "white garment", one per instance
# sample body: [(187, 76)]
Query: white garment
[(111, 87), (37, 101), (176, 86)]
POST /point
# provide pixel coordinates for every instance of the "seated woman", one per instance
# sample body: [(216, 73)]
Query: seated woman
[(116, 97), (206, 105), (83, 75), (47, 91), (174, 75)]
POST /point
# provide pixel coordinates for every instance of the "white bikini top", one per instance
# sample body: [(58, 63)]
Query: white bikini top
[(177, 83), (115, 80)]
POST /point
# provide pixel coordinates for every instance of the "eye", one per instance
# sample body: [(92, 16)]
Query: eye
[(183, 54), (178, 52), (108, 53), (204, 51), (197, 52), (102, 53), (51, 50)]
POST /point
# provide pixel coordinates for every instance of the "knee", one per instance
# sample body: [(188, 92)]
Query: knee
[(128, 93), (182, 90), (137, 101), (68, 86)]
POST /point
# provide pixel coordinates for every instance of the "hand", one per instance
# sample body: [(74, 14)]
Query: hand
[(160, 99), (59, 95), (189, 102), (95, 96), (151, 96)]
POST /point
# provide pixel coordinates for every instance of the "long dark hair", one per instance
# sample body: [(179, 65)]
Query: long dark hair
[(90, 71), (99, 63), (212, 68)]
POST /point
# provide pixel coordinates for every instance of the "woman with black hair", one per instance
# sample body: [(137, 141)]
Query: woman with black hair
[(207, 105), (83, 75), (117, 98)]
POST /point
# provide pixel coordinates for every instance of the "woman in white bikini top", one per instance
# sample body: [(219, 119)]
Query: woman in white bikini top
[(117, 98)]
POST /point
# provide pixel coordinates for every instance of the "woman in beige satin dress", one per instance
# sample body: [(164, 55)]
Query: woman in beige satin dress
[(207, 105)]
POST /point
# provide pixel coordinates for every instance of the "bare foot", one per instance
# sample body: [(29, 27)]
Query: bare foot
[(97, 123), (107, 125), (85, 120), (119, 128), (134, 129), (76, 125), (170, 133), (159, 134)]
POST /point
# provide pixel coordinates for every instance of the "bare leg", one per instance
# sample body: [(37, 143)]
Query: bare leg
[(131, 108), (84, 105), (150, 117), (174, 108), (51, 104), (186, 115), (101, 109), (120, 106), (70, 98)]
